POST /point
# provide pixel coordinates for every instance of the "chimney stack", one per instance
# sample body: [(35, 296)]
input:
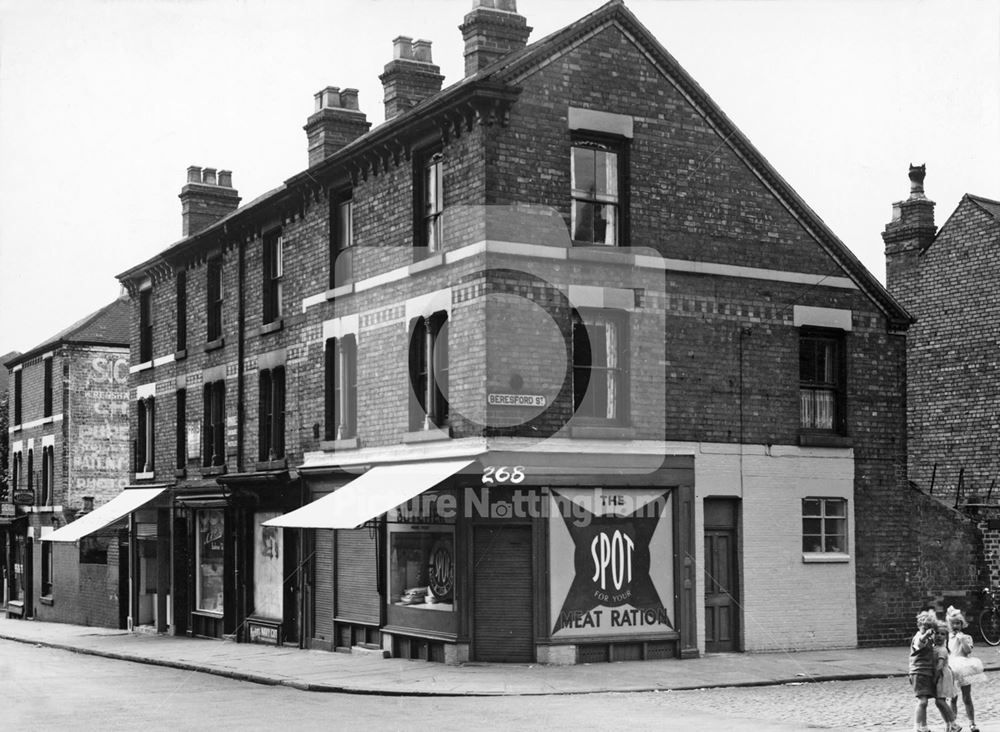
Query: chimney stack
[(207, 196), (909, 233), (410, 77), (335, 122), (491, 31)]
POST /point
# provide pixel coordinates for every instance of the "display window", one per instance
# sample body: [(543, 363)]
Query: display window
[(267, 567), (209, 553), (422, 567)]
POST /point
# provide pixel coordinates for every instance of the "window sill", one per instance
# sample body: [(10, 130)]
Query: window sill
[(431, 435), (180, 472), (47, 420), (825, 558), (144, 366), (602, 432), (279, 464), (208, 613), (213, 470), (348, 443), (600, 253), (46, 600), (17, 428), (273, 327), (215, 345), (180, 354), (339, 291), (145, 476), (429, 261), (824, 439)]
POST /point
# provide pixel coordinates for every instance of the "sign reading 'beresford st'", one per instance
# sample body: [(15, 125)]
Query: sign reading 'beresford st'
[(515, 400)]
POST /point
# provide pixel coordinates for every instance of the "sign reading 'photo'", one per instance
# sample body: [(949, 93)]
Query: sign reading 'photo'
[(611, 561)]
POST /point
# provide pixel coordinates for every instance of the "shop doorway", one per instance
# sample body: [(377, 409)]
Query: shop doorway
[(502, 595), (722, 586)]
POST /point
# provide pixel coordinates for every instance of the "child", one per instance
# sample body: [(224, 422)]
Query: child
[(923, 671), (944, 678), (964, 666)]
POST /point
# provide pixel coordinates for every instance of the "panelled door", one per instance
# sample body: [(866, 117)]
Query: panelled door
[(722, 612), (502, 595)]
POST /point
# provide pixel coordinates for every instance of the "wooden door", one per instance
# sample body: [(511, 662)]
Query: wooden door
[(722, 612)]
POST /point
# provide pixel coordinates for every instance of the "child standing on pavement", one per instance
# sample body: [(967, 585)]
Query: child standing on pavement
[(944, 686), (964, 666), (923, 670)]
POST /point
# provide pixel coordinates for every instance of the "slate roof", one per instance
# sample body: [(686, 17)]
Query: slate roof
[(989, 206), (107, 326)]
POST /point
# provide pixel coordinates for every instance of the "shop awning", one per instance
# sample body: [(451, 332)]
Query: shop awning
[(129, 500), (379, 490)]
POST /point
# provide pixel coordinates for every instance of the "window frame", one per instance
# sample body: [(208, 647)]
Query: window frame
[(47, 569), (837, 386), (181, 286), (341, 244), (620, 397), (47, 387), (272, 267), (271, 409), (428, 200), (146, 325), (45, 493), (619, 146), (215, 298), (18, 397), (31, 469), (341, 388), (428, 372), (180, 430), (842, 551), (214, 424), (145, 445)]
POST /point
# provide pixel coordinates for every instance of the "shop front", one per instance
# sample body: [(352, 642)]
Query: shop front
[(17, 564), (561, 566)]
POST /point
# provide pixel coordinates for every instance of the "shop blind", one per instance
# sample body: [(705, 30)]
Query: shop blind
[(323, 586), (357, 594)]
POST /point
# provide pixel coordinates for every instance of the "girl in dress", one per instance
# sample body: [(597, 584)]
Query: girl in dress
[(965, 667), (945, 680)]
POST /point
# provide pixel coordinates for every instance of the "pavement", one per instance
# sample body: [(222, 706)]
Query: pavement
[(369, 673)]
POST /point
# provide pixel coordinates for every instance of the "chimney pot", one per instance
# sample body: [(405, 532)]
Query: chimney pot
[(208, 176), (349, 99), (917, 173), (422, 51), (194, 174), (402, 47), (328, 97), (226, 178)]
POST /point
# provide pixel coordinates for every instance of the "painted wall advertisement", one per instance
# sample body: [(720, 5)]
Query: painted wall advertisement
[(611, 561)]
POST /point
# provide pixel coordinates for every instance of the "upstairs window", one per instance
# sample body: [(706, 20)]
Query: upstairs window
[(271, 432), (213, 453), (180, 431), (429, 372), (824, 525), (273, 246), (145, 326), (341, 239), (47, 389), (15, 471), (595, 174), (17, 396), (181, 310), (45, 495), (599, 366), (821, 381), (430, 201), (215, 294), (31, 469), (144, 442), (341, 388)]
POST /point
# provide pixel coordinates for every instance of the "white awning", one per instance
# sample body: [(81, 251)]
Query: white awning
[(379, 490), (129, 500)]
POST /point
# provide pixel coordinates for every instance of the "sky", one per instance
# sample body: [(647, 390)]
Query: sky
[(105, 103)]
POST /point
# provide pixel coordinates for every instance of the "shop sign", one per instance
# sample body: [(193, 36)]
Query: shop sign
[(611, 561), (264, 633), (515, 400), (23, 498), (6, 509)]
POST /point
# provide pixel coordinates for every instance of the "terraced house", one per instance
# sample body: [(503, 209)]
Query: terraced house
[(549, 366)]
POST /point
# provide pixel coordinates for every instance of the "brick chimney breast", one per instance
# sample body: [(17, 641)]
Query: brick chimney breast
[(492, 30), (336, 122), (411, 76), (207, 197)]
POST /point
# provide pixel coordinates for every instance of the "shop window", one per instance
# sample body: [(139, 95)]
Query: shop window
[(600, 353), (144, 436), (341, 238), (209, 554), (268, 567), (429, 196), (272, 271), (181, 429), (145, 326), (422, 568), (46, 569), (596, 182), (214, 293), (47, 389), (821, 381), (17, 396), (341, 388), (213, 452), (181, 310), (429, 372), (20, 569), (824, 525), (94, 549), (271, 431)]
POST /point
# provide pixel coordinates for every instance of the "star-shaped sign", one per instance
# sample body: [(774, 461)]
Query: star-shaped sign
[(612, 562)]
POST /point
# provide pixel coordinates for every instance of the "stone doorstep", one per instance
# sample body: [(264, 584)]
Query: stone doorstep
[(366, 651)]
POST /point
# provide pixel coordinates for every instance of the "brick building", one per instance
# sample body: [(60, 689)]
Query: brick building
[(550, 366), (68, 434), (947, 278)]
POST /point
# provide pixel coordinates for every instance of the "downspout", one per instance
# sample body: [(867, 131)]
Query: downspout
[(241, 601)]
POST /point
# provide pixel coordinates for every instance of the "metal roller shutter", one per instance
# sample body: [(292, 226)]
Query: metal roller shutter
[(323, 586), (357, 591), (502, 602)]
